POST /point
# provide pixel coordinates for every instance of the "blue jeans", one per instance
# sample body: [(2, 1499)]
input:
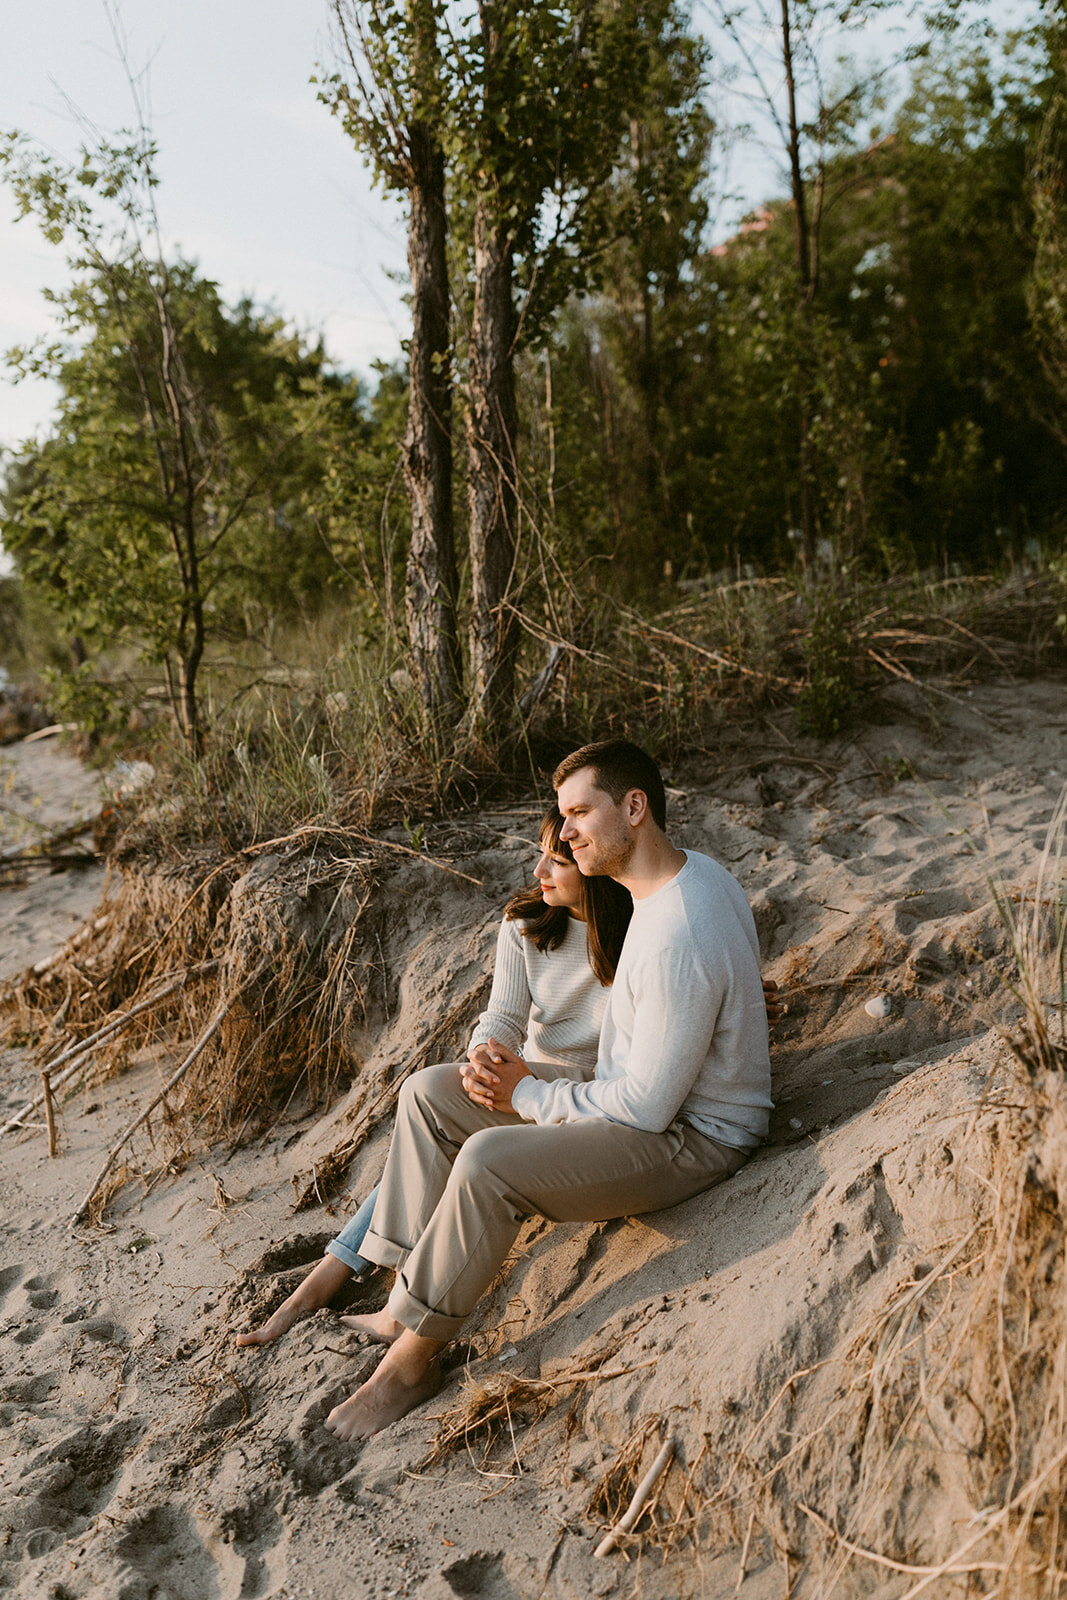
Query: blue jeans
[(346, 1246)]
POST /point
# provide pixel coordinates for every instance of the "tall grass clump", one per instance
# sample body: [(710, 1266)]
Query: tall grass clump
[(669, 668)]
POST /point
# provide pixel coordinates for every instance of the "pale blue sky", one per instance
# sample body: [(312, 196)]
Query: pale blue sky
[(259, 183)]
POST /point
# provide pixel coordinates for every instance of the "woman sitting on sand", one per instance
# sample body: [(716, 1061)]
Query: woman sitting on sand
[(556, 955)]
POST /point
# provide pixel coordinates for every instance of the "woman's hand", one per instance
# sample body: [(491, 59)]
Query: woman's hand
[(491, 1073)]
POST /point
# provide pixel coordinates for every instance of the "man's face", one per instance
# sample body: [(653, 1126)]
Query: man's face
[(596, 828)]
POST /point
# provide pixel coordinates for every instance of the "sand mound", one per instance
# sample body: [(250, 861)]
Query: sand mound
[(817, 1333)]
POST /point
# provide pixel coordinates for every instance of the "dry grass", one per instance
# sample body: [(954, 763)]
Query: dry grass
[(501, 1404), (277, 941), (723, 649), (930, 1452)]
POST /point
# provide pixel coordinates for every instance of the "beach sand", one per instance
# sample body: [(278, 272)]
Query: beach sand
[(144, 1457)]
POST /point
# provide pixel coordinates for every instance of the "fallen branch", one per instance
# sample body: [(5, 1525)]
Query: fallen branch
[(50, 1114), (313, 830), (34, 857), (73, 1058), (194, 1055), (84, 934), (641, 1496), (540, 685), (47, 841)]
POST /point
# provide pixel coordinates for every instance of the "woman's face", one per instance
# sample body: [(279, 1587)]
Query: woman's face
[(560, 880)]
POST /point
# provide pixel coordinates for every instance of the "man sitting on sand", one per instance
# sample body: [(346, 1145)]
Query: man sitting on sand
[(679, 1100)]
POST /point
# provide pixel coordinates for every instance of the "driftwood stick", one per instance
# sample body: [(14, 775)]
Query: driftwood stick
[(48, 840), (642, 1494), (84, 934), (742, 1569), (73, 1058), (50, 1114), (175, 1078)]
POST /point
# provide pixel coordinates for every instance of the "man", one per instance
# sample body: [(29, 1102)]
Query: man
[(679, 1100)]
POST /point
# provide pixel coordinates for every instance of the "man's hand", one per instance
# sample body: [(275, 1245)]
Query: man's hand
[(774, 1000), (491, 1073)]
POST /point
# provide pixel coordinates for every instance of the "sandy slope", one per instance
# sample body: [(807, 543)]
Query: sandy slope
[(143, 1456)]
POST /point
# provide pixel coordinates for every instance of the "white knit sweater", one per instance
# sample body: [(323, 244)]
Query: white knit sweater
[(545, 1005)]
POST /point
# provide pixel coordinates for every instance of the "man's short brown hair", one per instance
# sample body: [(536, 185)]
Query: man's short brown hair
[(617, 767)]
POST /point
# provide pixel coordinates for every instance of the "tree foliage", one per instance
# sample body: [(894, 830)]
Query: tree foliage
[(175, 499)]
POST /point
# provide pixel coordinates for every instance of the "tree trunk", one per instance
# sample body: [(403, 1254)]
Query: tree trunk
[(492, 478), (430, 592), (188, 704), (806, 289)]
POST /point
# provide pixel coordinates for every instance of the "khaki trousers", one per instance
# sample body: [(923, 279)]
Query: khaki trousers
[(460, 1181)]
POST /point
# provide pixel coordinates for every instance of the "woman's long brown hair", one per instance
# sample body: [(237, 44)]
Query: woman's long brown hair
[(605, 905)]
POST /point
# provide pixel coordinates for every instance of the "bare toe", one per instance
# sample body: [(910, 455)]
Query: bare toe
[(379, 1327)]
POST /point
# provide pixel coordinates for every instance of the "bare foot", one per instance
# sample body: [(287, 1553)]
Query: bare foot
[(319, 1287), (378, 1326), (276, 1325), (385, 1397)]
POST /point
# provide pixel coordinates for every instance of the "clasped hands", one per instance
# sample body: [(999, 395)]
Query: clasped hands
[(490, 1074)]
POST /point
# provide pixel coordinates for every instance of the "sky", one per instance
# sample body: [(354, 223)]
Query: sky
[(258, 183)]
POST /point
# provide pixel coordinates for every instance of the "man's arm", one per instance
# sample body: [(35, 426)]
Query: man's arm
[(677, 1000)]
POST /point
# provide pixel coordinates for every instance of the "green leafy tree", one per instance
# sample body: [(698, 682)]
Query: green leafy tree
[(1047, 288), (163, 506), (390, 97)]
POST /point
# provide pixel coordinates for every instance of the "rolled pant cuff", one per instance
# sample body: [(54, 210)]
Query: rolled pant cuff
[(383, 1252), (351, 1258), (420, 1319)]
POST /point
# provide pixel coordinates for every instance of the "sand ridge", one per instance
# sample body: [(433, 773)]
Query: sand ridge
[(144, 1456)]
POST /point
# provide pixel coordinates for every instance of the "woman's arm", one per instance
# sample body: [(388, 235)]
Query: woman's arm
[(507, 1015)]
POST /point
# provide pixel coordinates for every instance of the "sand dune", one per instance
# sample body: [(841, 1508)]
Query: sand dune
[(143, 1456)]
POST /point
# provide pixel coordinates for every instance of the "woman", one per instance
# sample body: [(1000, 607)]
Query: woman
[(556, 955)]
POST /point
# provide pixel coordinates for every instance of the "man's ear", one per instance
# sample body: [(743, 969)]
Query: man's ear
[(636, 805)]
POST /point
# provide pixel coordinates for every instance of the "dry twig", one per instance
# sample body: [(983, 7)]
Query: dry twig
[(641, 1496), (198, 1048)]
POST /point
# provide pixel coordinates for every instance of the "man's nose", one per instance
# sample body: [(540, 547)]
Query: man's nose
[(568, 830)]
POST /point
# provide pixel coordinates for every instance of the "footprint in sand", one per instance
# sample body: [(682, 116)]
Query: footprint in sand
[(478, 1577), (9, 1277), (309, 1455), (31, 1390), (67, 1483), (41, 1293), (164, 1549), (254, 1531)]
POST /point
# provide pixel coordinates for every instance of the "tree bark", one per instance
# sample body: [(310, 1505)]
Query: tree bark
[(492, 478), (430, 591), (806, 289)]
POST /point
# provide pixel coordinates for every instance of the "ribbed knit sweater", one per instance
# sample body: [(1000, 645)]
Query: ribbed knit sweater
[(546, 1005)]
